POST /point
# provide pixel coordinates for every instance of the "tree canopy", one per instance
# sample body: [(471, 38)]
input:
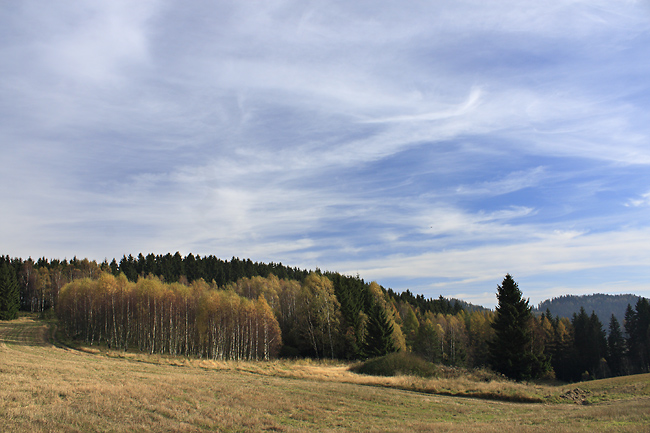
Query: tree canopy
[(9, 293), (511, 351)]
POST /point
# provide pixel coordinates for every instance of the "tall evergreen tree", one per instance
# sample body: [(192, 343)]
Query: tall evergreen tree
[(379, 337), (637, 328), (615, 347), (599, 338), (9, 293), (511, 350), (562, 351), (351, 292), (590, 343)]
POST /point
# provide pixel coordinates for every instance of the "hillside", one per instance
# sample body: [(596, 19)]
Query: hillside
[(603, 305)]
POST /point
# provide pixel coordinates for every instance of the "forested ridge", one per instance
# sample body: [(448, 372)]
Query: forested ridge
[(239, 309), (603, 305)]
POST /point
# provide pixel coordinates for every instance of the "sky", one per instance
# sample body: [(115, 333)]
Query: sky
[(427, 145)]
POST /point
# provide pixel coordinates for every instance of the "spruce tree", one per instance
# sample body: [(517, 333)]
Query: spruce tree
[(9, 293), (511, 350), (379, 336), (616, 347), (637, 328)]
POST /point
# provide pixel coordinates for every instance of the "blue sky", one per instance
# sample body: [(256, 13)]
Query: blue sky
[(433, 146)]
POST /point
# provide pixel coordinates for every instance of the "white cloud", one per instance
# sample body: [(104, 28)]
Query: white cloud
[(445, 113), (514, 181), (643, 200), (95, 42), (551, 258), (443, 141)]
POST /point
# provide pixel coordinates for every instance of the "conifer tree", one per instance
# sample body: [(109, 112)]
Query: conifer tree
[(637, 328), (590, 344), (9, 293), (511, 350), (379, 338), (616, 347)]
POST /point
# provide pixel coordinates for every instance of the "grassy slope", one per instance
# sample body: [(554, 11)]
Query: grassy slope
[(45, 388)]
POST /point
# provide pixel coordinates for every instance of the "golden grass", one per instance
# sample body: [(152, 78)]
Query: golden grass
[(46, 388), (466, 384)]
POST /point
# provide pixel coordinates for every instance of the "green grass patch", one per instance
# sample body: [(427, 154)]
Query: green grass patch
[(604, 390)]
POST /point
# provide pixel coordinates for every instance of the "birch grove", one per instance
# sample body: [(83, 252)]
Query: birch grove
[(196, 320)]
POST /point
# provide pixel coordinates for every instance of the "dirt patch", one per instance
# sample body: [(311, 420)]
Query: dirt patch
[(577, 395)]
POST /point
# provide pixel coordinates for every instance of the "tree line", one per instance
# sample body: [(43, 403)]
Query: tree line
[(250, 310), (529, 346)]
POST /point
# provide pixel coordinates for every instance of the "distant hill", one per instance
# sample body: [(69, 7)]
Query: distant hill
[(603, 305), (469, 307)]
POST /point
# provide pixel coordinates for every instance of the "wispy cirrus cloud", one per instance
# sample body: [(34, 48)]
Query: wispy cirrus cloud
[(435, 146), (643, 200)]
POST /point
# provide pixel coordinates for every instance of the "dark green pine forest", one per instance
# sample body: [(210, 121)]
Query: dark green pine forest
[(238, 309)]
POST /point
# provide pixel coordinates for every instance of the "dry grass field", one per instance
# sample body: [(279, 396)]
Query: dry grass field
[(49, 388)]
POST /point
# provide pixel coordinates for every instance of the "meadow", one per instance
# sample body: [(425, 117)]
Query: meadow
[(47, 386)]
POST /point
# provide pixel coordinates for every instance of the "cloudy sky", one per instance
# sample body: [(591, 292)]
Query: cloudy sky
[(429, 145)]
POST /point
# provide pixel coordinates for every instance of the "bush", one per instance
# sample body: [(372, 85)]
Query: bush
[(396, 363)]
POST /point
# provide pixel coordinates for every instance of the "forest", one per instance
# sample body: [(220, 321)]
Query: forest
[(603, 305), (243, 310)]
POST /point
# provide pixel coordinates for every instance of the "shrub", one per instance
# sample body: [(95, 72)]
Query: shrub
[(396, 363)]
